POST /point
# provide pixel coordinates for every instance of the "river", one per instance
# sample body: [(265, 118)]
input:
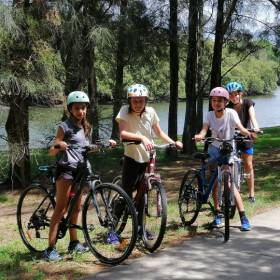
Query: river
[(43, 121)]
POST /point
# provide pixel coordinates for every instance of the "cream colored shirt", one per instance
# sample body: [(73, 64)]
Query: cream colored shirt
[(141, 126)]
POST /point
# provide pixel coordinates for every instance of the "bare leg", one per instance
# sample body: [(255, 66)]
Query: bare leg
[(63, 188), (249, 169), (74, 220)]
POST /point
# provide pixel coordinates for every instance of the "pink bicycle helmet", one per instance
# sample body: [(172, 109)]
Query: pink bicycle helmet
[(220, 92)]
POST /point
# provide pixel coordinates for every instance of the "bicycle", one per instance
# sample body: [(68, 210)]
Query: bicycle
[(151, 202), (37, 202), (195, 189)]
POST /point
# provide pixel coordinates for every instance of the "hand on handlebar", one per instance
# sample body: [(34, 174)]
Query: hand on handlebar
[(61, 146)]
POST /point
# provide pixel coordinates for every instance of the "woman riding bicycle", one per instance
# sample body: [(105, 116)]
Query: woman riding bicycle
[(222, 122), (75, 131), (246, 112), (138, 122)]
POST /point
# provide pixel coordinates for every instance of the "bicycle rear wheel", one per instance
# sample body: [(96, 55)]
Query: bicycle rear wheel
[(34, 211), (154, 216), (189, 203), (101, 220)]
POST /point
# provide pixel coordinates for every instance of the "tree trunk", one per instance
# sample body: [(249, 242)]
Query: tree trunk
[(200, 45), (174, 68), (118, 89), (92, 92), (191, 78), (17, 128), (218, 47)]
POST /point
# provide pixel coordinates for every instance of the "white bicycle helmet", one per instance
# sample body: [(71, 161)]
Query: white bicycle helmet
[(76, 97), (137, 90)]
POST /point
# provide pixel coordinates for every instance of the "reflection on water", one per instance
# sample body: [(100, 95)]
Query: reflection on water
[(43, 121)]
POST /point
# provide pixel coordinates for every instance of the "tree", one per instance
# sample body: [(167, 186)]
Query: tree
[(174, 70), (120, 64), (222, 23), (191, 79), (27, 70)]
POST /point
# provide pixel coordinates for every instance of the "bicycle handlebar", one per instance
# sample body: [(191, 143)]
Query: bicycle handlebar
[(89, 148), (136, 142)]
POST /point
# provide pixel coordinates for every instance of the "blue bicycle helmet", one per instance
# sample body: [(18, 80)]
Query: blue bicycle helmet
[(234, 86)]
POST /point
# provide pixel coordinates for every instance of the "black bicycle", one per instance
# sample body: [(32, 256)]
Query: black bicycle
[(150, 201), (99, 217)]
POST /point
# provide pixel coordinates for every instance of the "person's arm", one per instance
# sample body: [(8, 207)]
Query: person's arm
[(202, 133), (245, 131), (253, 118), (58, 141), (162, 135)]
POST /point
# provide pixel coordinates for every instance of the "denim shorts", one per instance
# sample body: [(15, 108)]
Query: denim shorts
[(216, 157)]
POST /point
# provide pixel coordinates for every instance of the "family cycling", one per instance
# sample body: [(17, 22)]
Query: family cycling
[(137, 197)]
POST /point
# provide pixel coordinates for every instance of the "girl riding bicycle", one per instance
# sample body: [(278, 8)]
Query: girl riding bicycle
[(75, 131), (138, 122), (222, 122), (246, 112)]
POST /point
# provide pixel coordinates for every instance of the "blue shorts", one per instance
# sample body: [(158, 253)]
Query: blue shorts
[(249, 151)]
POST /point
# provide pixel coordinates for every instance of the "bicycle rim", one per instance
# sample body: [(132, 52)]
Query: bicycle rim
[(34, 212), (100, 219), (188, 202), (154, 216)]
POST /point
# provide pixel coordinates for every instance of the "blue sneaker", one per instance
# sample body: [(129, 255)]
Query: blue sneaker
[(218, 221), (51, 254), (113, 238), (245, 224), (77, 247)]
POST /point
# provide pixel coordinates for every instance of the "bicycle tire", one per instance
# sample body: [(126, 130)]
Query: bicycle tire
[(154, 216), (188, 201), (34, 211), (226, 203), (99, 220)]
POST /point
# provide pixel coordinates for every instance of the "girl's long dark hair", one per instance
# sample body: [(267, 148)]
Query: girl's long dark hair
[(85, 123)]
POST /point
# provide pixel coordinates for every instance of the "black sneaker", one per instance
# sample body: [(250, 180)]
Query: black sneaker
[(51, 254), (252, 199), (77, 247)]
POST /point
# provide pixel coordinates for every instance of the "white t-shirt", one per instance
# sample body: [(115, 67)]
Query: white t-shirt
[(224, 127), (138, 125)]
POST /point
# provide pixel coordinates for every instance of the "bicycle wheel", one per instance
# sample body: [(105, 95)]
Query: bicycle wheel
[(34, 211), (226, 185), (189, 203), (100, 221), (154, 216)]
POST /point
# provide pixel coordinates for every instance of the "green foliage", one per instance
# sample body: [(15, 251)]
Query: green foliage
[(257, 73)]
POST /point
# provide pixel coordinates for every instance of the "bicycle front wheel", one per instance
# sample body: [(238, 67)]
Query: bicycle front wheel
[(154, 216), (226, 185), (189, 203), (103, 209), (34, 212)]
